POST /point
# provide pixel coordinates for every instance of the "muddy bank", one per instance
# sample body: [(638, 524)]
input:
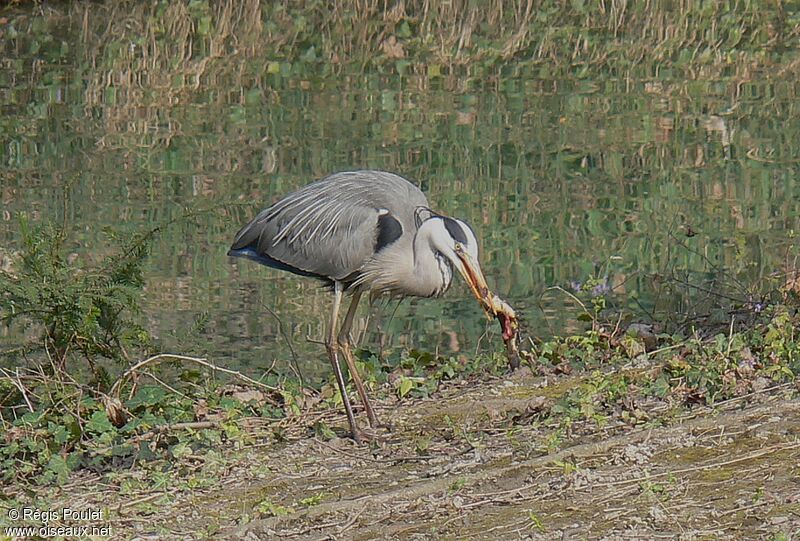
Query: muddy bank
[(481, 459), (476, 462)]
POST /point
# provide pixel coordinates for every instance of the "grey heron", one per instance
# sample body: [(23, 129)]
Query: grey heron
[(367, 231)]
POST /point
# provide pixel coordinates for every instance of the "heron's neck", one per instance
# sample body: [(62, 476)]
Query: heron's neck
[(431, 274), (408, 267)]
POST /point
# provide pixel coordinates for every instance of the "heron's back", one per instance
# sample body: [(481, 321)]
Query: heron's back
[(330, 228)]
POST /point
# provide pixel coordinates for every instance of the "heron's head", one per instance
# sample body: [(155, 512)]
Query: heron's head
[(456, 241)]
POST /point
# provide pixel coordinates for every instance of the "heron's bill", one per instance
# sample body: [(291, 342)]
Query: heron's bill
[(493, 305)]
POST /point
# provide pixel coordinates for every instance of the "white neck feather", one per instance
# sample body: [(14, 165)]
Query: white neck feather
[(409, 267)]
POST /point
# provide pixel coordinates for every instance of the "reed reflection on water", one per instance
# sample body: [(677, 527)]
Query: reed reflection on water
[(566, 181)]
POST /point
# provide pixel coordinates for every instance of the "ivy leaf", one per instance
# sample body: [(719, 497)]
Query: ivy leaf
[(99, 423)]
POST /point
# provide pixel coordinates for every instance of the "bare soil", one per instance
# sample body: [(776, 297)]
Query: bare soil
[(725, 473), (479, 462)]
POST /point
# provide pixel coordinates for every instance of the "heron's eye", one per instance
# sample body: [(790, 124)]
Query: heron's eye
[(458, 247)]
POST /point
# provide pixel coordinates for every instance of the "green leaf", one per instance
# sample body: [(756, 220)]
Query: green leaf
[(181, 450), (324, 431), (148, 395), (59, 468), (204, 25), (268, 508), (60, 434), (404, 30), (406, 384), (99, 423)]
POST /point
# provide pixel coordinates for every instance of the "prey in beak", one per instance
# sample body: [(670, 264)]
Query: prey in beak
[(494, 306)]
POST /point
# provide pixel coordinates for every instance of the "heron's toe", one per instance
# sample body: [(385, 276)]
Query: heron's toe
[(371, 435), (375, 424)]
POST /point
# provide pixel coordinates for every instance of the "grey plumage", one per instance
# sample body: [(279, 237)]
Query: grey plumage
[(362, 231), (330, 229)]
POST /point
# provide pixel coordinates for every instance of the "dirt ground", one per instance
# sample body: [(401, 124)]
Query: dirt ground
[(473, 464), (478, 461)]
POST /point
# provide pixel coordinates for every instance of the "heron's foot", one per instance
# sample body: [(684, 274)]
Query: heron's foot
[(375, 425), (365, 436), (359, 437), (373, 434), (373, 420)]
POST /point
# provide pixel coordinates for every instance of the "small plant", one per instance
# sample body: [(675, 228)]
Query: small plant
[(83, 313), (270, 509), (51, 406), (655, 489), (58, 409), (312, 500), (536, 522), (457, 485), (420, 373), (323, 431), (422, 444), (405, 384), (567, 467)]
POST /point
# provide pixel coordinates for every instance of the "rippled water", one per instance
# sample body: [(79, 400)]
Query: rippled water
[(645, 183)]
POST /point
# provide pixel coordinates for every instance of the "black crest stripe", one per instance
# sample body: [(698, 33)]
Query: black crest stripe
[(455, 230)]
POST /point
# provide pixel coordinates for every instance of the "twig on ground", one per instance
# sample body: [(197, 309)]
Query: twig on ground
[(349, 524), (16, 382), (751, 456), (203, 362)]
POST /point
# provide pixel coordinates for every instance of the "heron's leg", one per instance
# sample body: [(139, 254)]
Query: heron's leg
[(345, 346), (332, 345)]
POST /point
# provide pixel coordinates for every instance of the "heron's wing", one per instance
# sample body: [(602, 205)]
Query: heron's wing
[(330, 228)]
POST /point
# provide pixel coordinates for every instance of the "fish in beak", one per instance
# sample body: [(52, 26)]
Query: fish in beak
[(494, 306)]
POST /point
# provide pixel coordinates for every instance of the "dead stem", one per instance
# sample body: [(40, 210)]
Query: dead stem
[(16, 382), (170, 356)]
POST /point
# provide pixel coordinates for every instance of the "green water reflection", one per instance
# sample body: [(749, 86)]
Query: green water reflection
[(563, 179)]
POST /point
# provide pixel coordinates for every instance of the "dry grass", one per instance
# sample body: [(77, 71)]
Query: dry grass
[(142, 61)]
